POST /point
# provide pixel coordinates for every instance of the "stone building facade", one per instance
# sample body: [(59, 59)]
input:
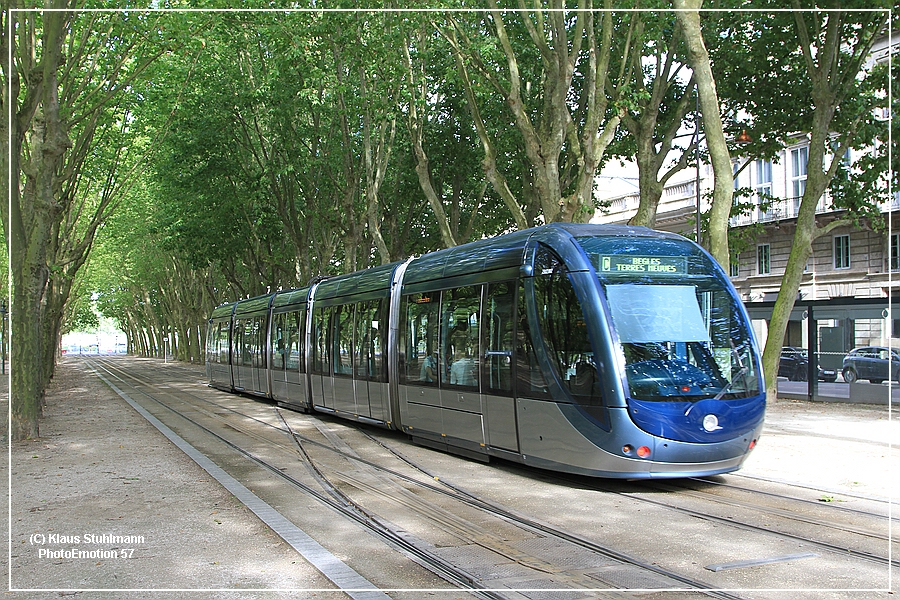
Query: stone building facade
[(849, 262)]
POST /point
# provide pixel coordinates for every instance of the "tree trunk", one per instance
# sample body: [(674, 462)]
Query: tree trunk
[(832, 77), (651, 193), (801, 248), (31, 221), (688, 17), (25, 354), (546, 123)]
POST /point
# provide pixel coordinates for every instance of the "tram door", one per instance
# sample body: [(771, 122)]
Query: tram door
[(342, 342), (321, 363), (420, 397), (287, 349), (240, 353), (498, 336), (460, 358), (249, 355), (368, 365)]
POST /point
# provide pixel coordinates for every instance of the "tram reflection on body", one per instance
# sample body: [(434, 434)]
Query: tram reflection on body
[(601, 350)]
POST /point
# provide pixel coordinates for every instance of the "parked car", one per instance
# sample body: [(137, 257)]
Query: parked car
[(794, 365), (875, 363)]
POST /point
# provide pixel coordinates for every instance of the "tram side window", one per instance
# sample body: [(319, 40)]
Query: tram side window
[(212, 340), (240, 353), (343, 340), (247, 343), (224, 326), (379, 340), (320, 341), (279, 341), (530, 382), (214, 343), (498, 328), (295, 326), (235, 343), (421, 338), (259, 342), (368, 359), (564, 329), (459, 336)]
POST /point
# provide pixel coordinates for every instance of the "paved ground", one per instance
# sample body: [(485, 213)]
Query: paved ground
[(101, 469), (835, 447)]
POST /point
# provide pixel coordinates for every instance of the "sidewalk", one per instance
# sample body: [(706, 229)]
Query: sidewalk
[(101, 481)]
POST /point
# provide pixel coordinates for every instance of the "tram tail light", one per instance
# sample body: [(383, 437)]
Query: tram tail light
[(642, 452)]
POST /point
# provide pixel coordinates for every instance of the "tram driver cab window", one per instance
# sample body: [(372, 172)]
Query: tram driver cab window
[(563, 328)]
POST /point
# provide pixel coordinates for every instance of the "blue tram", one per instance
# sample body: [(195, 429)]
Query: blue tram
[(602, 350)]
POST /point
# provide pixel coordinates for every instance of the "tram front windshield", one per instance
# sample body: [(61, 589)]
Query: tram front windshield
[(681, 332)]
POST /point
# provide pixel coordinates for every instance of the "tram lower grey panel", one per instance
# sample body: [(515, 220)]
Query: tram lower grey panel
[(463, 425), (344, 399), (422, 417), (500, 422)]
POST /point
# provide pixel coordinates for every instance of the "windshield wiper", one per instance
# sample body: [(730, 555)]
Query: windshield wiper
[(727, 388)]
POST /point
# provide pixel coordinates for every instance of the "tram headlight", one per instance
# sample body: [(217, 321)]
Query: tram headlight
[(711, 423)]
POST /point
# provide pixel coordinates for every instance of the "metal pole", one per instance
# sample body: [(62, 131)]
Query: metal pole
[(812, 335), (3, 340)]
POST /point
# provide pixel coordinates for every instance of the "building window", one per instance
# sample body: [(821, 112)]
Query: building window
[(842, 252), (895, 252), (799, 158), (735, 269), (766, 210), (763, 266), (763, 178)]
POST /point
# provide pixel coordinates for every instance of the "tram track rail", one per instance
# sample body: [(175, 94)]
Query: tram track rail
[(827, 546), (435, 564), (680, 488), (825, 501), (333, 497), (743, 476), (686, 489)]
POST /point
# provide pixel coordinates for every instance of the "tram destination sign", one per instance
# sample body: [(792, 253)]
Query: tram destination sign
[(633, 265)]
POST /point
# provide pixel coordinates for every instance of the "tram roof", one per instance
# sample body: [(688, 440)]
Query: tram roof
[(224, 310), (508, 250), (290, 297), (502, 252), (374, 280), (253, 305)]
